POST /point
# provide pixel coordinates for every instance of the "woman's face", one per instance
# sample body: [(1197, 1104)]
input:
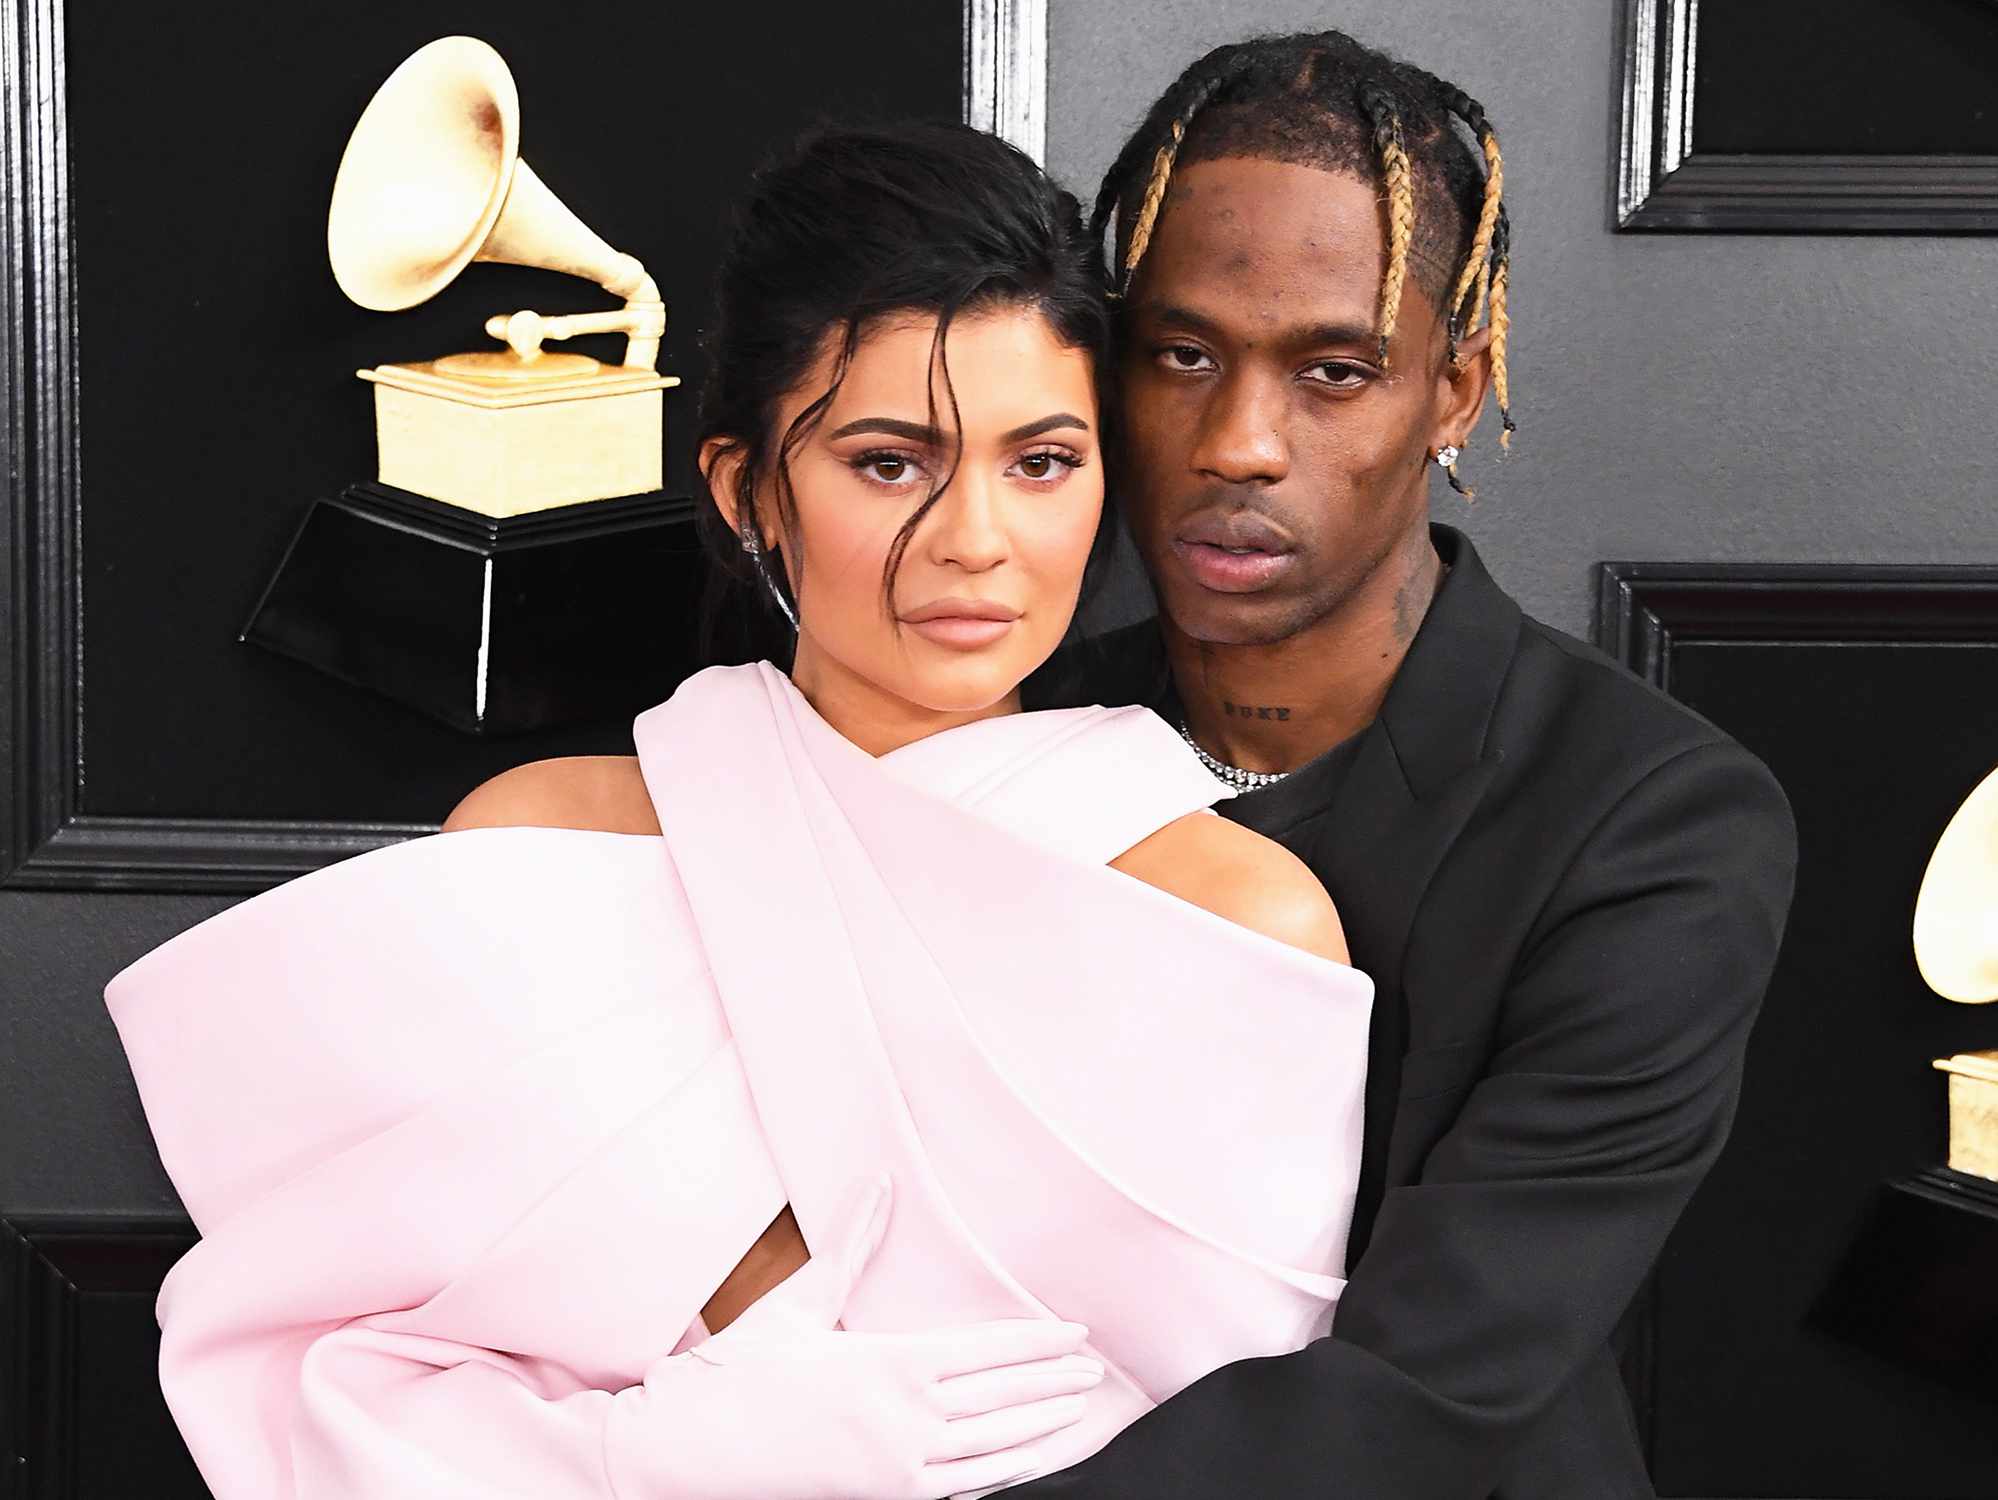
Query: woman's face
[(990, 577)]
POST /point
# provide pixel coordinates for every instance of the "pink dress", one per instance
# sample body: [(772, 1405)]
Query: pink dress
[(473, 1125)]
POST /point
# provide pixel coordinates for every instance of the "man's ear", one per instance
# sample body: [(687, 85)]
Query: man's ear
[(1468, 376), (721, 461)]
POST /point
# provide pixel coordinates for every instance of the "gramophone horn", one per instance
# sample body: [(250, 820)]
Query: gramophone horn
[(1956, 912), (425, 174), (432, 180)]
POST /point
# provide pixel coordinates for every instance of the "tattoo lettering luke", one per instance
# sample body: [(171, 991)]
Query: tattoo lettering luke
[(1246, 711)]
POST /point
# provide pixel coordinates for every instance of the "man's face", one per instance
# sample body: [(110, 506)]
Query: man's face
[(1273, 466)]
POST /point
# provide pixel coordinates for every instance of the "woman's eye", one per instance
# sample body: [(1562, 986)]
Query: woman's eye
[(1048, 464), (893, 470), (1184, 357), (1338, 374)]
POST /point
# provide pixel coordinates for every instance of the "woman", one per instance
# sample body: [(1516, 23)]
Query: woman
[(746, 1117)]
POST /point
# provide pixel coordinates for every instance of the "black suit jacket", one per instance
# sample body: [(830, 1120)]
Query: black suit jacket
[(1569, 890)]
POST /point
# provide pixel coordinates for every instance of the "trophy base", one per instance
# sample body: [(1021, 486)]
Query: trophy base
[(494, 626), (1920, 1284), (1973, 1113), (507, 447)]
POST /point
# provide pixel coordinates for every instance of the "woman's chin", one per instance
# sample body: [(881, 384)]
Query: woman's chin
[(965, 682)]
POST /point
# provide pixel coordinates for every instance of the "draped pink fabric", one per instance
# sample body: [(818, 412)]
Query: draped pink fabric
[(473, 1125)]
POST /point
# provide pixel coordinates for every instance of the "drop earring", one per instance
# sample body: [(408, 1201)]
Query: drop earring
[(1446, 460), (753, 545)]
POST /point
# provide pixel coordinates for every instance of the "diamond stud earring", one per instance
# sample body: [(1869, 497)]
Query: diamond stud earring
[(1447, 455)]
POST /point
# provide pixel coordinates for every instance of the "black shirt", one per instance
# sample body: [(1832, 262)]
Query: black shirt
[(1285, 810)]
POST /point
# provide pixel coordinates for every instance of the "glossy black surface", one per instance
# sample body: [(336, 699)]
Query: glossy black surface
[(493, 626), (1920, 1284)]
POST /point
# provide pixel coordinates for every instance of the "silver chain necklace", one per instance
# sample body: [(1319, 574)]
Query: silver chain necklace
[(1235, 776)]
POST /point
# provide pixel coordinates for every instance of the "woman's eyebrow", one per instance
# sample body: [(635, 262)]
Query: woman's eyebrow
[(1045, 424), (915, 432)]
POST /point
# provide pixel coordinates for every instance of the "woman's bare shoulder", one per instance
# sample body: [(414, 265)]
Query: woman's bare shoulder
[(1239, 874), (602, 792)]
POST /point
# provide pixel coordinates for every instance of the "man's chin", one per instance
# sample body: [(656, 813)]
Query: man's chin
[(1216, 619)]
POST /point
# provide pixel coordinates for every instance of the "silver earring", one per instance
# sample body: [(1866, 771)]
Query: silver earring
[(753, 545), (1447, 455)]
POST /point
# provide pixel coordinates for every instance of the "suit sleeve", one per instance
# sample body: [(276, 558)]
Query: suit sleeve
[(1490, 1280)]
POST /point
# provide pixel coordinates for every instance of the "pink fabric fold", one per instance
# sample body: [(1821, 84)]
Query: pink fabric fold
[(473, 1125)]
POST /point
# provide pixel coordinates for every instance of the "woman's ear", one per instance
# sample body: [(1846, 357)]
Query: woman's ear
[(721, 463)]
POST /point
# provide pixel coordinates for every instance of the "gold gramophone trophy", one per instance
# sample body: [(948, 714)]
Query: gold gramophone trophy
[(513, 565), (432, 180), (1917, 1282), (1956, 948)]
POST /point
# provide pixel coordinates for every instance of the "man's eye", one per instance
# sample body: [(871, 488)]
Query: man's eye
[(1338, 374), (1184, 357)]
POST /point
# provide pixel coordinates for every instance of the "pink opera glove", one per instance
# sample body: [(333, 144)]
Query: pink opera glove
[(784, 1405)]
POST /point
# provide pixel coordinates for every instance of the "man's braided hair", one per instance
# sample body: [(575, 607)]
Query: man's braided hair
[(1323, 100)]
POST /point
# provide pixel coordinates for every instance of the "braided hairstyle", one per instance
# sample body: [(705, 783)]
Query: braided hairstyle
[(1324, 100)]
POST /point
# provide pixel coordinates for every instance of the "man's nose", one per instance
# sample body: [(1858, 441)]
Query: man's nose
[(1240, 439)]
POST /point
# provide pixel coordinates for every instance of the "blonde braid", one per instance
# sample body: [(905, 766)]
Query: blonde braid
[(1386, 119), (1501, 325), (1499, 388), (1458, 484), (1148, 206), (1481, 242)]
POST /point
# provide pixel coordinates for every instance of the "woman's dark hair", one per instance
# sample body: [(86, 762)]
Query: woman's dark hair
[(853, 224)]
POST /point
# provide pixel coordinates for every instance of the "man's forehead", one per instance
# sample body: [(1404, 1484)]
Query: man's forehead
[(1269, 223)]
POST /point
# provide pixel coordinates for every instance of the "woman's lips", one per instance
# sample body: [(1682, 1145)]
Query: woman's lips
[(1230, 570), (961, 632)]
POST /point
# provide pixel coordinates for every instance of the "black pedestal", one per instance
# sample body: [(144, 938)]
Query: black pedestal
[(1920, 1284), (495, 626)]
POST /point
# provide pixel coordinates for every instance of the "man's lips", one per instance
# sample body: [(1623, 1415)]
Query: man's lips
[(1234, 530), (1232, 552)]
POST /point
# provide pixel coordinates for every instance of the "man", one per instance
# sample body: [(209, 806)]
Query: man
[(1568, 888)]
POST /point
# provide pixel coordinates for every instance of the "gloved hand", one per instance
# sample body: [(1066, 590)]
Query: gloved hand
[(784, 1405)]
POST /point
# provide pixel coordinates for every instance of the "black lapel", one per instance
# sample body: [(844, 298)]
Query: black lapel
[(1420, 770)]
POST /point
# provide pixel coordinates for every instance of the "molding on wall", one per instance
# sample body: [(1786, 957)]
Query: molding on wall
[(1006, 71), (39, 374), (1663, 184), (46, 842), (79, 1345), (1642, 607)]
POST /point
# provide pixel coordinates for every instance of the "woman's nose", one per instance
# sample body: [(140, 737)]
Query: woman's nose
[(967, 524)]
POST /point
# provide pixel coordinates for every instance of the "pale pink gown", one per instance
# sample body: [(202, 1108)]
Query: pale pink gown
[(473, 1125)]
